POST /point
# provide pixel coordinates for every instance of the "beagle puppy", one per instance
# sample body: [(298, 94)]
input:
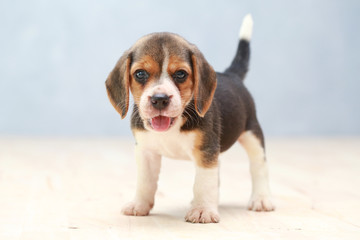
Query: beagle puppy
[(183, 109)]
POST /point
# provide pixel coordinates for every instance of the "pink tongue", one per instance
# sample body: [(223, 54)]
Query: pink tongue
[(160, 123)]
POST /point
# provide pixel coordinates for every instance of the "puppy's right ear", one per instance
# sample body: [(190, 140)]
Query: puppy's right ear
[(117, 84)]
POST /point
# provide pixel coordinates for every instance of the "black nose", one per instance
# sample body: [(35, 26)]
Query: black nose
[(160, 101)]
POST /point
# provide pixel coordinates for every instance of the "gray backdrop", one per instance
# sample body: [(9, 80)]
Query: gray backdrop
[(55, 57)]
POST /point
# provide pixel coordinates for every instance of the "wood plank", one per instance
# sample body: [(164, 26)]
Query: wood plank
[(59, 188)]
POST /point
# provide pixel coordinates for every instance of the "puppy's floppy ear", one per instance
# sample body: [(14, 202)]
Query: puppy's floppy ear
[(204, 84), (117, 84)]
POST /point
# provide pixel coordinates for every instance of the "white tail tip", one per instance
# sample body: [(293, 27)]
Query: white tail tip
[(246, 28)]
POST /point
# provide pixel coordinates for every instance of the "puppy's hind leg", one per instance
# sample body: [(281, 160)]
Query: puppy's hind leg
[(260, 199)]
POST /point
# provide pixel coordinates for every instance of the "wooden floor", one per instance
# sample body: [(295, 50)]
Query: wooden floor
[(74, 189)]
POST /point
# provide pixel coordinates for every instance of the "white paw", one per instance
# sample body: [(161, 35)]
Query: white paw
[(136, 209), (202, 215), (261, 203)]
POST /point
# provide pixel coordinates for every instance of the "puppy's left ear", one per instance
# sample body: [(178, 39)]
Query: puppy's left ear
[(205, 82), (117, 84)]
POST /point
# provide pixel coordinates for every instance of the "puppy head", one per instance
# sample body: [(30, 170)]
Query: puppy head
[(164, 73)]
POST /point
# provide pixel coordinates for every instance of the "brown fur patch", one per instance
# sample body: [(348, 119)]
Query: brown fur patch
[(202, 157), (252, 145), (148, 64), (117, 85), (186, 88), (205, 83)]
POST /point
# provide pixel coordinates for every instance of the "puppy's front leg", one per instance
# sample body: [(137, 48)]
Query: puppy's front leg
[(148, 165), (204, 207)]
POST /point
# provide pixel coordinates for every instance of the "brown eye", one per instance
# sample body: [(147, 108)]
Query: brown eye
[(180, 76), (141, 76)]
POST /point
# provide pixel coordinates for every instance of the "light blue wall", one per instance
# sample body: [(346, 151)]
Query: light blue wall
[(55, 57)]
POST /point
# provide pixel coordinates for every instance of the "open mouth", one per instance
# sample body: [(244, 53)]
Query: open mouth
[(161, 123)]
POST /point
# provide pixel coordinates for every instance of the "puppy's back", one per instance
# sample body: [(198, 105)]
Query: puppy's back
[(235, 104)]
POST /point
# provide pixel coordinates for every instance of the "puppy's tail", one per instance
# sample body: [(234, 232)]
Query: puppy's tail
[(240, 64)]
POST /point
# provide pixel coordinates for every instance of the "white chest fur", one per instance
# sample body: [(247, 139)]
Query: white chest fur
[(172, 143)]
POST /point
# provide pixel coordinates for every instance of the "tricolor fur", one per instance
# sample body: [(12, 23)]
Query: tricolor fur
[(184, 109)]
